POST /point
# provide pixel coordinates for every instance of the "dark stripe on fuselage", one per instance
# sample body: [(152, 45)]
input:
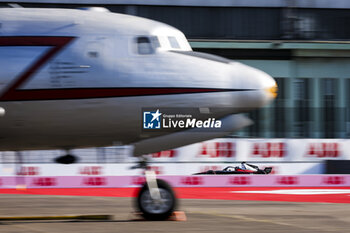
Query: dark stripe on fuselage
[(57, 43), (91, 93)]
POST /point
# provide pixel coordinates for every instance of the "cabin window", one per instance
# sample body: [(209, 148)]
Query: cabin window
[(173, 42), (144, 45), (155, 42)]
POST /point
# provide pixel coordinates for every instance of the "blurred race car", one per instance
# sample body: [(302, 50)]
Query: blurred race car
[(243, 168)]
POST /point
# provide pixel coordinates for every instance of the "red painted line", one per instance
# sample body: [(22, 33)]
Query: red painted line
[(103, 192), (196, 193), (226, 194)]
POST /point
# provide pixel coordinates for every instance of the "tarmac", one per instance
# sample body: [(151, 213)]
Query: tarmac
[(202, 215)]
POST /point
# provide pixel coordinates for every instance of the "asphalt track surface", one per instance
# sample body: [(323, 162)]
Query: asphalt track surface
[(203, 215)]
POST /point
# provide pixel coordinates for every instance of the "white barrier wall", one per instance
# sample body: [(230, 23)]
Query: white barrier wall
[(217, 150), (286, 156), (8, 170)]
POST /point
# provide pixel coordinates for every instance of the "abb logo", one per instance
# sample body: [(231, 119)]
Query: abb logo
[(287, 180), (158, 170), (44, 181), (334, 180), (217, 150), (90, 170), (240, 180), (138, 180), (207, 168), (164, 154), (192, 180), (28, 171), (324, 150), (95, 181), (269, 149)]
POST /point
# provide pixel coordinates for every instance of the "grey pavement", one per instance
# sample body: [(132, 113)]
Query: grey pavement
[(202, 216)]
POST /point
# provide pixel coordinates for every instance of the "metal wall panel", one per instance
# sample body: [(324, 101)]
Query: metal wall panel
[(217, 22)]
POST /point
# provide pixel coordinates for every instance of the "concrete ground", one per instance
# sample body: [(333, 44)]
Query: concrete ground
[(202, 216)]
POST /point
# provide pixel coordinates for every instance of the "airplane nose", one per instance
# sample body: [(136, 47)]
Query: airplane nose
[(262, 84), (272, 91), (268, 85)]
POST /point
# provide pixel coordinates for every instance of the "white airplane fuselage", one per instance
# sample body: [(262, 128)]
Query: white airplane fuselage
[(74, 78)]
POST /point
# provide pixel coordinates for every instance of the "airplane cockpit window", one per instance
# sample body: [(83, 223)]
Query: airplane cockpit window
[(144, 45), (155, 42), (173, 42)]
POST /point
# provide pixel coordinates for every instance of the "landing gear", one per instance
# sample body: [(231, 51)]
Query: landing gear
[(156, 208), (156, 199)]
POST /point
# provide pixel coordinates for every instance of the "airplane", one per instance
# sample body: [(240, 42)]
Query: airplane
[(75, 78)]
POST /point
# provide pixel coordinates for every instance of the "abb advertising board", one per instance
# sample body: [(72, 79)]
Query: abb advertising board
[(276, 150), (217, 150), (178, 181), (124, 169)]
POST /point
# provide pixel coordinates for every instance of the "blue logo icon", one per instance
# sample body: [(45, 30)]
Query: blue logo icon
[(151, 120)]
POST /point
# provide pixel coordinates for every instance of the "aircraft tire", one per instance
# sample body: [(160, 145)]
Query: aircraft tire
[(150, 209)]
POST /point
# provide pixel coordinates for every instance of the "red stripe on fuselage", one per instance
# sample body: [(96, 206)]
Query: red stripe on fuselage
[(57, 43), (12, 93)]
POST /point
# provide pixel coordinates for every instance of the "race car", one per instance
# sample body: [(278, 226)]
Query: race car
[(243, 168)]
